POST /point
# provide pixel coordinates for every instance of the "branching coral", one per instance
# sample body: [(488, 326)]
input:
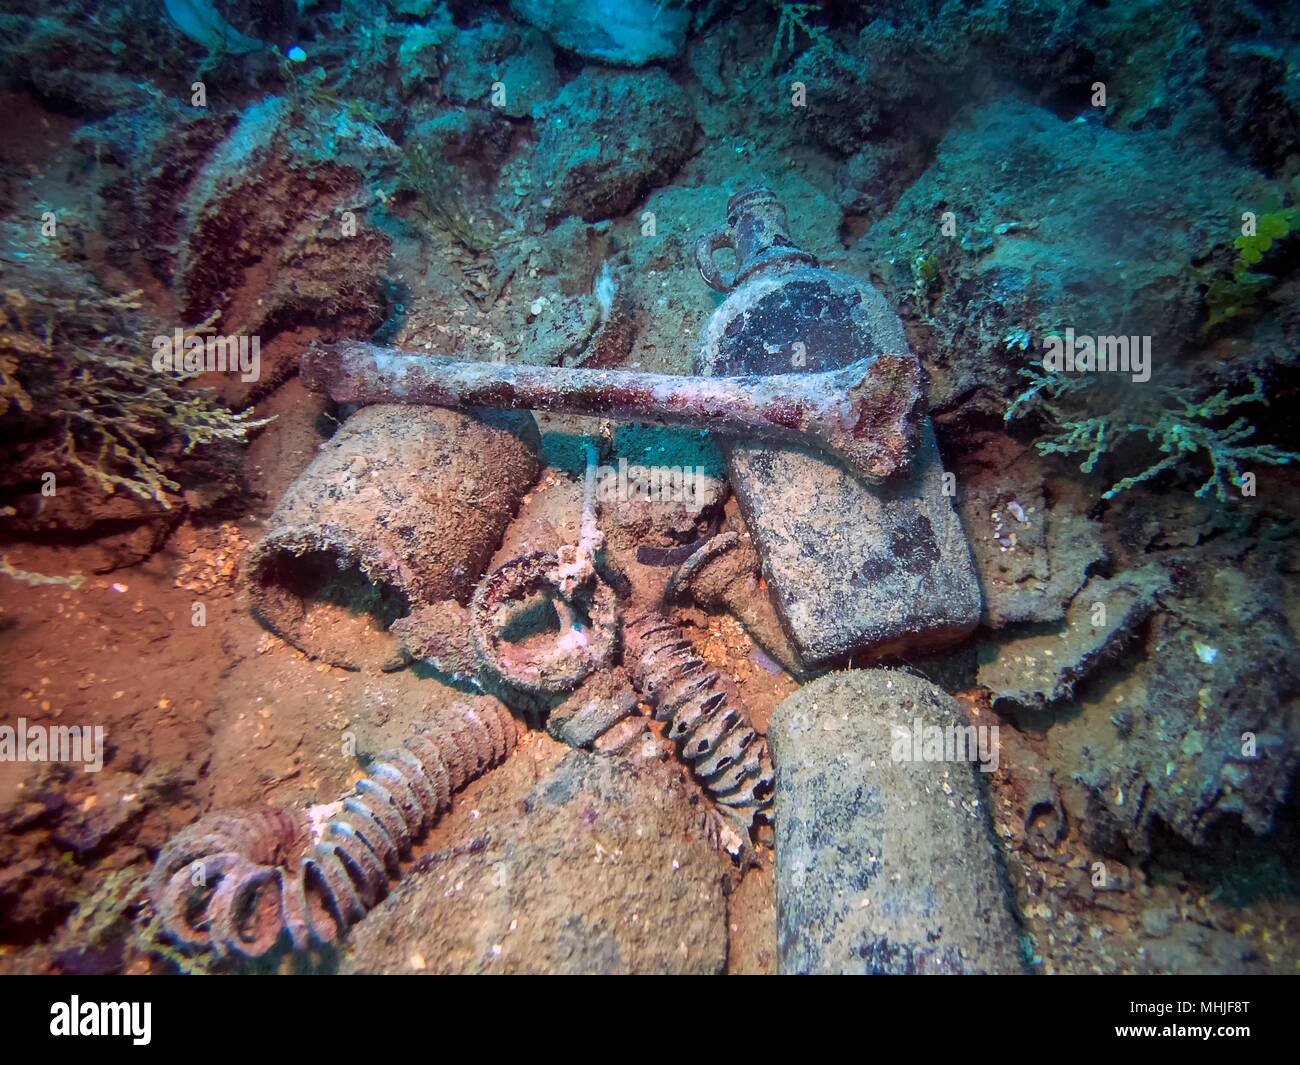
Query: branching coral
[(76, 360), (793, 21), (1047, 389), (1180, 423)]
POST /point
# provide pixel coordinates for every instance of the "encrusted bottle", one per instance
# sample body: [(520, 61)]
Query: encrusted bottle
[(855, 568)]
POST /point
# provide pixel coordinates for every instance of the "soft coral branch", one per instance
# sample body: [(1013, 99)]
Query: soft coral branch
[(1181, 425)]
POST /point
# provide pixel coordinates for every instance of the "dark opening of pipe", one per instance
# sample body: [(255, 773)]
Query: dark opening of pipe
[(322, 600)]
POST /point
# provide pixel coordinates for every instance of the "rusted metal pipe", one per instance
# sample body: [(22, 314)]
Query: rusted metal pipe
[(866, 414)]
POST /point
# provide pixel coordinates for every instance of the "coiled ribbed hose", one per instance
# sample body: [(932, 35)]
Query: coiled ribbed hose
[(235, 882), (705, 714)]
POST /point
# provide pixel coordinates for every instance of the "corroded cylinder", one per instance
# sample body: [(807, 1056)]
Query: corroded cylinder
[(401, 509), (885, 856)]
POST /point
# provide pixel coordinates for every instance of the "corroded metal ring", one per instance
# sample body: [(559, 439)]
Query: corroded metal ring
[(556, 664)]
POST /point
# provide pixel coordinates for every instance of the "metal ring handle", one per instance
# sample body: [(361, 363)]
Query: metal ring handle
[(705, 248), (560, 665)]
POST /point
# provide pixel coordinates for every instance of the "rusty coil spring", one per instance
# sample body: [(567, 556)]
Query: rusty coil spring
[(705, 714), (234, 882)]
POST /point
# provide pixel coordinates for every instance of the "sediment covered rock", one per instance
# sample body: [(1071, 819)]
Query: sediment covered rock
[(1043, 211), (607, 138), (596, 868), (491, 55)]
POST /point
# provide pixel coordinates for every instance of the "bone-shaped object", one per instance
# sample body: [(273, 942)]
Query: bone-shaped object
[(867, 414)]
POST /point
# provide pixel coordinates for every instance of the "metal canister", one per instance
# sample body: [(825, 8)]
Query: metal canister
[(401, 509)]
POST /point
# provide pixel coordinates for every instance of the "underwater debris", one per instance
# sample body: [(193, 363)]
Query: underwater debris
[(793, 21), (1198, 747), (864, 413), (1056, 544), (619, 325), (596, 706), (235, 883), (706, 716), (586, 607), (885, 860), (710, 726), (860, 560), (723, 574), (401, 509), (588, 865), (488, 644), (1044, 667)]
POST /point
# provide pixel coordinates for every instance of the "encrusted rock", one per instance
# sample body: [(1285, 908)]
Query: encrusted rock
[(883, 865), (598, 867), (420, 50), (1044, 666), (606, 139), (560, 330), (625, 32)]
